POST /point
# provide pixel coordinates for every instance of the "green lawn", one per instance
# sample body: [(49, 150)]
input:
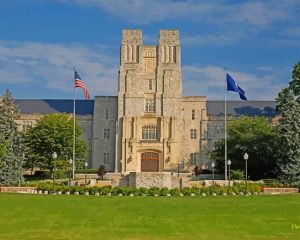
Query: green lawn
[(93, 217)]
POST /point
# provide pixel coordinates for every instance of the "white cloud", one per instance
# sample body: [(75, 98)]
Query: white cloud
[(51, 64), (209, 81), (209, 40), (256, 13)]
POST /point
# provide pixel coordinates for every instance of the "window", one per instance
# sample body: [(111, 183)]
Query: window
[(26, 125), (150, 132), (106, 133), (106, 114), (149, 105), (193, 114), (193, 158), (193, 133), (106, 158), (150, 84)]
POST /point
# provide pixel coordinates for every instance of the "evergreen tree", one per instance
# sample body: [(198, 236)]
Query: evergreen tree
[(289, 125), (11, 153)]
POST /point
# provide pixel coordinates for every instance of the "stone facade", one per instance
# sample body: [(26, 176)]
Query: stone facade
[(150, 102)]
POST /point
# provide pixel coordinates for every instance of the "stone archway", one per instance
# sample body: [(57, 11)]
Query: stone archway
[(150, 162)]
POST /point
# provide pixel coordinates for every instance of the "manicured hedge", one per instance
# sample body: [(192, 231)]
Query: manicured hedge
[(153, 191)]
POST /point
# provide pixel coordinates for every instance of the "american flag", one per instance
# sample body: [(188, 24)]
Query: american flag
[(79, 84)]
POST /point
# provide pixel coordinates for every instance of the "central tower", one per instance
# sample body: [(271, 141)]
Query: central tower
[(149, 103)]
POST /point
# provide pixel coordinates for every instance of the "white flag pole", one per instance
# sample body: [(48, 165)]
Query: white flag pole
[(74, 125), (225, 125)]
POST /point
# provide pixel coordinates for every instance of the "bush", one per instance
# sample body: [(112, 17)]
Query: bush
[(104, 190), (175, 192), (195, 190), (154, 190), (186, 191), (164, 191), (143, 191), (116, 191), (61, 174), (204, 190), (237, 174)]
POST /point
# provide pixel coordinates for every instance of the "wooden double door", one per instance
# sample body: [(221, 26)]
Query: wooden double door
[(150, 162)]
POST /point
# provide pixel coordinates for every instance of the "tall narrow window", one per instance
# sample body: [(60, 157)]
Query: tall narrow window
[(106, 158), (193, 158), (150, 84), (149, 105), (193, 114), (106, 113), (193, 133), (106, 133)]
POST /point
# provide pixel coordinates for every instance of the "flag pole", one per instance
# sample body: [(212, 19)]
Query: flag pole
[(74, 133), (225, 124)]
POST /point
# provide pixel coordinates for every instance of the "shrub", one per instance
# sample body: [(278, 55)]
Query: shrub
[(104, 190), (116, 191), (93, 190), (142, 191), (132, 190), (204, 190), (237, 174), (61, 174), (195, 190), (154, 190), (175, 191), (186, 191), (164, 191)]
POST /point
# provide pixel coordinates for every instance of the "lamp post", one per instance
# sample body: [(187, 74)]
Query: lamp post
[(246, 156), (70, 170), (213, 171), (54, 156), (229, 164), (85, 165)]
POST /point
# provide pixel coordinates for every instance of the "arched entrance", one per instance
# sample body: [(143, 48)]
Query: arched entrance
[(150, 162)]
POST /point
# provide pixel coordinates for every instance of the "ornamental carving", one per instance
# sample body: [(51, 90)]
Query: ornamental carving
[(149, 65)]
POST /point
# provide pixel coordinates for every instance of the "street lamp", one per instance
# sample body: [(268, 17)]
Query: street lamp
[(213, 171), (86, 165), (54, 156), (70, 169), (246, 156), (229, 163)]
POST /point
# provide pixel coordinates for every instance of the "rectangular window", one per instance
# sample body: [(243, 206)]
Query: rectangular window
[(193, 133), (193, 114), (106, 133), (150, 84), (26, 125), (149, 105), (106, 114), (106, 158), (193, 158)]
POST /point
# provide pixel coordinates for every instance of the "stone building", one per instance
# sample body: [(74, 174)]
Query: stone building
[(149, 126)]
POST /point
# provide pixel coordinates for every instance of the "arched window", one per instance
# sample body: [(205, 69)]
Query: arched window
[(150, 132)]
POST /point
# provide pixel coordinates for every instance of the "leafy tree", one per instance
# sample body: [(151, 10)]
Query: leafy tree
[(11, 148), (53, 133), (258, 138), (288, 105), (294, 85)]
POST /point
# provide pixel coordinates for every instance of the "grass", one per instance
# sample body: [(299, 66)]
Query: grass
[(92, 217)]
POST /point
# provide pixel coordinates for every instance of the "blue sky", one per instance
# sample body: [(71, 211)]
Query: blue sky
[(258, 42)]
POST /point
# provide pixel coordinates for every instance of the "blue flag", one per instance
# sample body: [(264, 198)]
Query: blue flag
[(233, 87)]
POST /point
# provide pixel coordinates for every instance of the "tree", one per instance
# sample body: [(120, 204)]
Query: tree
[(11, 148), (258, 138), (53, 133), (288, 105)]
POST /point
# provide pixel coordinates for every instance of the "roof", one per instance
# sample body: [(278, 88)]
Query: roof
[(242, 108), (45, 106)]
